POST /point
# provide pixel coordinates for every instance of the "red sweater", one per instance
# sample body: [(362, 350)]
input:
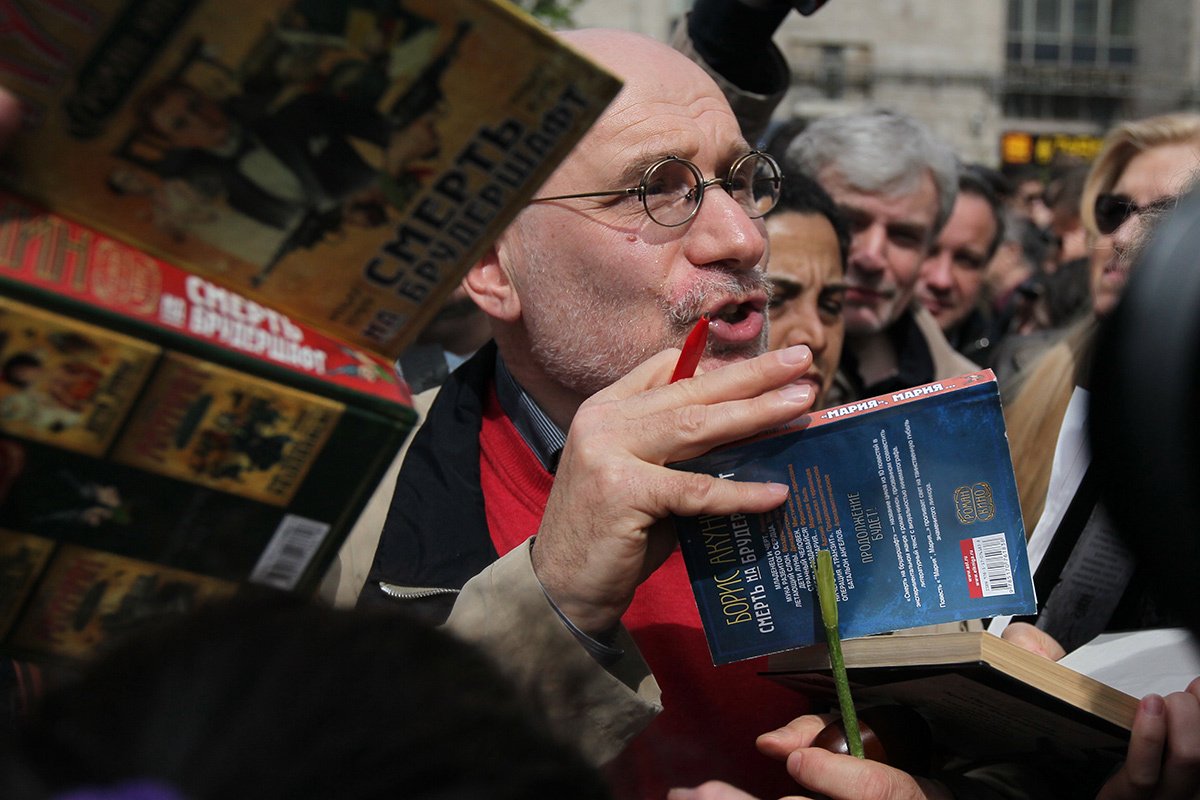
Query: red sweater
[(711, 714)]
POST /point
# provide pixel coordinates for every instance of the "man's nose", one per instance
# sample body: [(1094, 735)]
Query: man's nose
[(798, 324), (937, 273), (722, 234), (868, 249)]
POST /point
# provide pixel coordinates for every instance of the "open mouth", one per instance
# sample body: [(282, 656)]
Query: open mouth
[(738, 321), (734, 313)]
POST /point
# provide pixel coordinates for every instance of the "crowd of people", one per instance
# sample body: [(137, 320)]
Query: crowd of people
[(529, 514)]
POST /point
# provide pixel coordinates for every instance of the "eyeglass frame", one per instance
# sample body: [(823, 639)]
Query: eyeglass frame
[(1128, 209), (701, 184)]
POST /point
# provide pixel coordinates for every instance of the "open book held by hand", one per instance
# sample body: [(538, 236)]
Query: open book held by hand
[(982, 695)]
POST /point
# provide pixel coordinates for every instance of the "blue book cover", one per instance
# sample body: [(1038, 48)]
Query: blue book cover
[(912, 493)]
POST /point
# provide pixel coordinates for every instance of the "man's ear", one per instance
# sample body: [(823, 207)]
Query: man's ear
[(491, 287)]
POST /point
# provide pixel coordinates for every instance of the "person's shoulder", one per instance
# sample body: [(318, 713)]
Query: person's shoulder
[(947, 362)]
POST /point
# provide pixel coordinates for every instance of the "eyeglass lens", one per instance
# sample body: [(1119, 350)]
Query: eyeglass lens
[(672, 188), (1111, 210), (670, 195)]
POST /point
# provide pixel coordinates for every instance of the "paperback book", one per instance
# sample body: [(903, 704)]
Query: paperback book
[(913, 495), (342, 162)]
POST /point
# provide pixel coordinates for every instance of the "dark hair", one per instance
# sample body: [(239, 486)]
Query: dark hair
[(1023, 173), (804, 195), (978, 180), (780, 135), (274, 698), (1064, 192), (16, 362), (1036, 244)]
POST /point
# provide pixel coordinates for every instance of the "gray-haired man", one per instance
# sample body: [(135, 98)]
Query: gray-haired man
[(895, 183)]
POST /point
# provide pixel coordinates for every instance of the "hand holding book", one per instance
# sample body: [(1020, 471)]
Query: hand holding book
[(599, 537), (1164, 733)]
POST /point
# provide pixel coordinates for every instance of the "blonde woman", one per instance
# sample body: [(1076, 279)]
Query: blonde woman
[(1143, 165)]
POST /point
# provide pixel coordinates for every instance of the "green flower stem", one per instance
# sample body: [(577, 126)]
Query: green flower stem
[(828, 599)]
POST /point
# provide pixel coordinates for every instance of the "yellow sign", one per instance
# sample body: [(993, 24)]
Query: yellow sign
[(1021, 147)]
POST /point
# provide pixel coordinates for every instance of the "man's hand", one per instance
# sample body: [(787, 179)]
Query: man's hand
[(837, 776), (1163, 762), (600, 536)]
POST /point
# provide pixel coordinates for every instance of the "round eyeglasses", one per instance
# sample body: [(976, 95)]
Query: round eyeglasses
[(672, 188)]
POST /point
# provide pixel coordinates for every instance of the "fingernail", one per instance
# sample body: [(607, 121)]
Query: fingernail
[(1153, 705), (794, 393), (782, 490), (681, 794), (795, 354)]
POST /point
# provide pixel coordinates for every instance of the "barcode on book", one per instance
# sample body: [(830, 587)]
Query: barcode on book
[(288, 553), (992, 568)]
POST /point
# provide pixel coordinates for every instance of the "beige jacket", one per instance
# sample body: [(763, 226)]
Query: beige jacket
[(504, 610)]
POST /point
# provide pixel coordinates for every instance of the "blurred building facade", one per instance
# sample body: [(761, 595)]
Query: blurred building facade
[(1004, 82)]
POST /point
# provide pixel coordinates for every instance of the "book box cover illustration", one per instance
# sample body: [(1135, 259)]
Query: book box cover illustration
[(22, 559), (65, 382), (75, 499), (88, 597), (913, 495), (342, 162), (227, 430)]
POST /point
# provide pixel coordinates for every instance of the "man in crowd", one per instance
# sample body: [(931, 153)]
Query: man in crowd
[(952, 275), (584, 293), (894, 182)]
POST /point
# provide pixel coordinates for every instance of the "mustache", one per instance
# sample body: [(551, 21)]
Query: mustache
[(684, 312)]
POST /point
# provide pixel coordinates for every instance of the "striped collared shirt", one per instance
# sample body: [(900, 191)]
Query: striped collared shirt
[(544, 438)]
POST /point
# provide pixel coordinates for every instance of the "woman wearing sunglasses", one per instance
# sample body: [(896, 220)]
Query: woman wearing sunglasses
[(1143, 167)]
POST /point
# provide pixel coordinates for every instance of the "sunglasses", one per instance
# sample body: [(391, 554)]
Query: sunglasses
[(1111, 210)]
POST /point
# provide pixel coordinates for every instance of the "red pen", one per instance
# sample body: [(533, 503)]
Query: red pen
[(693, 349)]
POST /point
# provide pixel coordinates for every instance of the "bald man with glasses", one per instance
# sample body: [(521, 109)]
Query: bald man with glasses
[(531, 504)]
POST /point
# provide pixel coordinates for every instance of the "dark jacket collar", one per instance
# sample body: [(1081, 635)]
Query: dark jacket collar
[(913, 360), (436, 530)]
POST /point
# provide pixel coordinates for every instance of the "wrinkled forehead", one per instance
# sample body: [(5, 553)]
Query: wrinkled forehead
[(667, 106)]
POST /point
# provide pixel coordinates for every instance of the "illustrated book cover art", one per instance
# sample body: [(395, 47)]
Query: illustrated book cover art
[(342, 162), (88, 597), (227, 430), (75, 499), (913, 495), (981, 694), (65, 382), (22, 559)]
